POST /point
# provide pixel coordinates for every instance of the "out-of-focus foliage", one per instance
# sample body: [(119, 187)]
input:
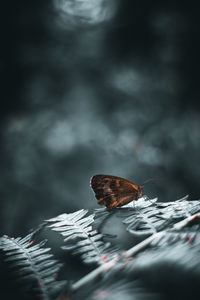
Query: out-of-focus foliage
[(28, 269), (95, 87)]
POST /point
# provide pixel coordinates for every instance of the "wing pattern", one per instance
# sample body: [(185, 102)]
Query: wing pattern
[(113, 191)]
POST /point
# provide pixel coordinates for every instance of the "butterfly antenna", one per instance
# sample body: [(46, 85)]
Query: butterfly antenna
[(149, 180)]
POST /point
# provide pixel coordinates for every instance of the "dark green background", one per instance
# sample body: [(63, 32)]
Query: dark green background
[(111, 88)]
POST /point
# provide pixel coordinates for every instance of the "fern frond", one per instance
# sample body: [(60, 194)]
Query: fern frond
[(81, 238), (32, 267), (160, 216), (149, 216), (140, 220), (172, 238), (179, 209)]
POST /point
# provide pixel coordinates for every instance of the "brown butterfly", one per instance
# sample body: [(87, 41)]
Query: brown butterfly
[(113, 191)]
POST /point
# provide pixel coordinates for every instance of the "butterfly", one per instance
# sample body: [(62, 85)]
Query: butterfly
[(113, 191)]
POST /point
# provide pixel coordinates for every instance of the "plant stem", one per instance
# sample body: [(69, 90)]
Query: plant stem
[(132, 251), (178, 226), (95, 273)]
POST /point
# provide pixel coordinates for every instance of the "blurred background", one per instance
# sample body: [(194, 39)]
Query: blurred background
[(95, 87)]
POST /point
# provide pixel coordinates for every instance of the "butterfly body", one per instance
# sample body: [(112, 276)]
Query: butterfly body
[(113, 191)]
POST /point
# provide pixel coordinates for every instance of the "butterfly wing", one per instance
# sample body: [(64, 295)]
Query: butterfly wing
[(113, 191)]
